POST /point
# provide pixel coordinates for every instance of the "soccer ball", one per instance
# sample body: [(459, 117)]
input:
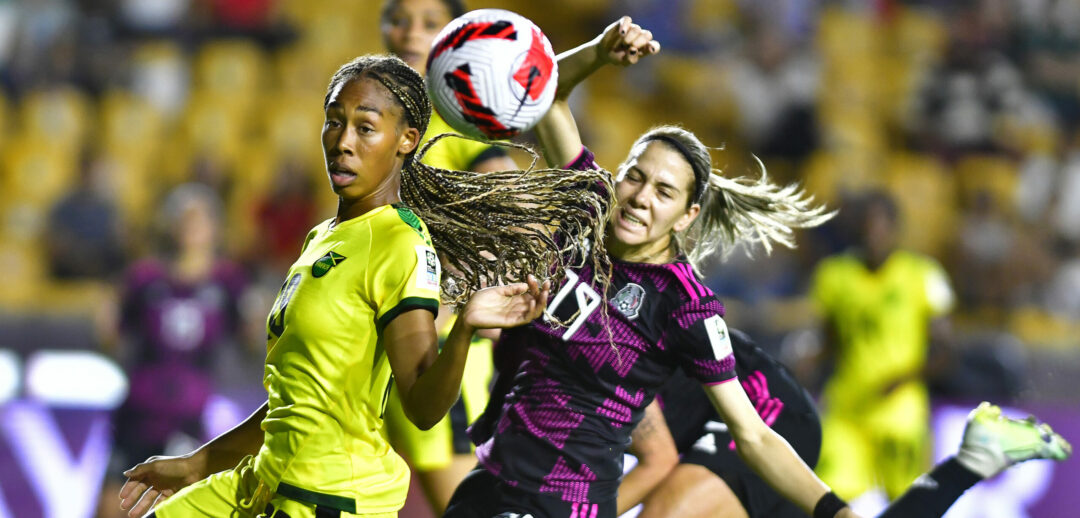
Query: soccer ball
[(491, 74)]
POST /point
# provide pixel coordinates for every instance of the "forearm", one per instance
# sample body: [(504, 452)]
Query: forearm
[(558, 135), (439, 386), (773, 459), (637, 484), (225, 451), (577, 64), (652, 444), (557, 131)]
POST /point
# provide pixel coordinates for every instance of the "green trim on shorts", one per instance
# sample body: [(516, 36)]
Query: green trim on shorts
[(345, 505)]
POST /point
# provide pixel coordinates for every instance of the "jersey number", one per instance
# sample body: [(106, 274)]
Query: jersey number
[(587, 302), (276, 322)]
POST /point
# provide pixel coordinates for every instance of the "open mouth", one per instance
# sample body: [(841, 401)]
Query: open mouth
[(630, 221), (341, 176)]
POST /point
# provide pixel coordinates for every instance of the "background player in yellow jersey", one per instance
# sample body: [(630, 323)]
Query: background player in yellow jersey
[(356, 308), (441, 456), (882, 308)]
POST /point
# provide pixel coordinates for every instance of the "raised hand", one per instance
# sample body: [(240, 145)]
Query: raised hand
[(155, 480), (625, 42), (507, 306)]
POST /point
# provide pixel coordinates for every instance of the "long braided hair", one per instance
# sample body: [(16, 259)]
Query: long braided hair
[(741, 210), (492, 228)]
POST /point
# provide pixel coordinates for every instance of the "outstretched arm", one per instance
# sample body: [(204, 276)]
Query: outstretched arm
[(766, 451), (654, 448), (429, 382), (621, 43), (159, 477)]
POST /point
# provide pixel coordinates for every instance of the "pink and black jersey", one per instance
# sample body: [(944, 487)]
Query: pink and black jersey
[(576, 381)]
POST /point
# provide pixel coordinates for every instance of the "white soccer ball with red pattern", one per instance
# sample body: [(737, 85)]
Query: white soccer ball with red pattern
[(491, 74)]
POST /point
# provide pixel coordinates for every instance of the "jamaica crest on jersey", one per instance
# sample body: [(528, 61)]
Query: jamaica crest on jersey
[(325, 263), (629, 299)]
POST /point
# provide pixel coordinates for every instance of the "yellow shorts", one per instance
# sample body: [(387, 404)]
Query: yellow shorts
[(238, 493), (433, 449), (887, 445)]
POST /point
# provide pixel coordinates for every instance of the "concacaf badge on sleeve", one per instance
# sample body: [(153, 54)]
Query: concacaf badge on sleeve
[(427, 268), (719, 338)]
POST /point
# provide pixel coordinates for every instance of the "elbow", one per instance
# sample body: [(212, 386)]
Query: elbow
[(752, 441), (423, 422)]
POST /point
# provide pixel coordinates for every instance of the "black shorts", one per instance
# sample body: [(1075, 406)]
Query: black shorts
[(758, 498), (483, 495)]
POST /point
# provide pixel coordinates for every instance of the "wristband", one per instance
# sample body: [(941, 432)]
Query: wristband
[(828, 506)]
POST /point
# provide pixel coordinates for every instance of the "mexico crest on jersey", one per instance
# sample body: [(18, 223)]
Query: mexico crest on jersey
[(628, 300)]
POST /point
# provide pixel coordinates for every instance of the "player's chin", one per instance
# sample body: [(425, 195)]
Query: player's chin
[(627, 236)]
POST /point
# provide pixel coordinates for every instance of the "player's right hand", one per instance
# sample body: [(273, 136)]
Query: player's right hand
[(153, 481), (625, 42)]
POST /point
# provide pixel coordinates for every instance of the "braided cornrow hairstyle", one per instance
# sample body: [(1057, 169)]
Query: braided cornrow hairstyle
[(493, 228), (740, 210)]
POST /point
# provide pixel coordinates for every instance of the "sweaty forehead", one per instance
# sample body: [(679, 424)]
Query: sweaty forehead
[(366, 94)]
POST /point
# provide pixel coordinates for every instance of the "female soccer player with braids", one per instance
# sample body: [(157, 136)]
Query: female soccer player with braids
[(357, 311), (576, 382), (442, 456)]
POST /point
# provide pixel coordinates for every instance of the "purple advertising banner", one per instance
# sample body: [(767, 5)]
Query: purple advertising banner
[(53, 461)]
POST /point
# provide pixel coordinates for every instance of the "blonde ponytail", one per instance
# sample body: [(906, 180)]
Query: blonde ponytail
[(751, 212)]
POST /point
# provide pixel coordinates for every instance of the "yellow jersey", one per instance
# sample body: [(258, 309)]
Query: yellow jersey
[(881, 319), (454, 153), (327, 375)]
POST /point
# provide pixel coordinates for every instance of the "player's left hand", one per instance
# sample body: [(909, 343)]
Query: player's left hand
[(625, 42), (507, 306)]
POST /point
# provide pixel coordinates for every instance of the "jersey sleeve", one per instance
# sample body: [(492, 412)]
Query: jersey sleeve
[(937, 292), (698, 337), (405, 276)]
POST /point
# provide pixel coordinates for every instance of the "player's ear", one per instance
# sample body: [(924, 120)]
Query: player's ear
[(687, 218), (410, 139)]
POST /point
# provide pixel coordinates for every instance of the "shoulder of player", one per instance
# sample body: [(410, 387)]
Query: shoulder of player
[(687, 287), (399, 226), (143, 272), (917, 262)]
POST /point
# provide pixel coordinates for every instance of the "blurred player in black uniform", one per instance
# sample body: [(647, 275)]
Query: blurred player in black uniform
[(712, 480)]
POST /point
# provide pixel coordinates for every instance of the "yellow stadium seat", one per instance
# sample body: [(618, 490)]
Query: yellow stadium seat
[(1037, 327), (298, 73), (926, 193), (36, 172), (61, 114), (131, 180), (917, 35), (22, 271), (843, 32), (291, 124), (613, 124), (705, 15), (230, 67), (830, 174), (214, 126), (990, 174), (128, 125), (852, 127), (7, 125)]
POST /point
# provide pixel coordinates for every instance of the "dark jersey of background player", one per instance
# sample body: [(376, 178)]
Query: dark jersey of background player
[(701, 437), (577, 391), (176, 320)]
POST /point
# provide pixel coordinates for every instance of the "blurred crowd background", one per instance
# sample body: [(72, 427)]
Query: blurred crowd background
[(183, 136)]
